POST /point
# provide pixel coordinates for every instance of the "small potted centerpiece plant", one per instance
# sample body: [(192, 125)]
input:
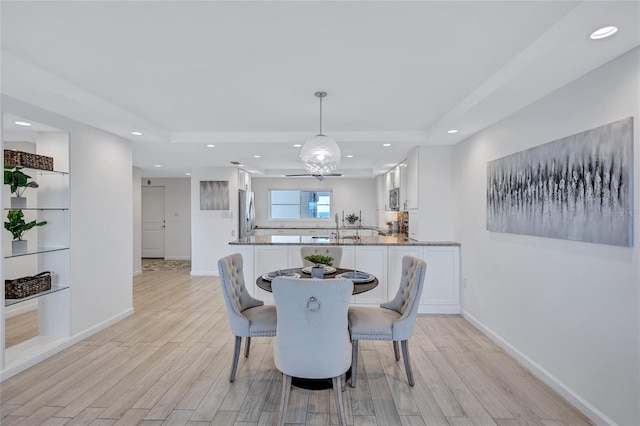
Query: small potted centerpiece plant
[(18, 182), (17, 226), (352, 218), (319, 260)]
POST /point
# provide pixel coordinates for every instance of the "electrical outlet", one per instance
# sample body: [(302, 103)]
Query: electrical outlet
[(233, 232), (464, 283)]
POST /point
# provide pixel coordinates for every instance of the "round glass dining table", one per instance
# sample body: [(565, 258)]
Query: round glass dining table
[(357, 287), (318, 384)]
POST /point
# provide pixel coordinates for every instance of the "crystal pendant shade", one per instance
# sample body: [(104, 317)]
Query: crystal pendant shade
[(320, 155)]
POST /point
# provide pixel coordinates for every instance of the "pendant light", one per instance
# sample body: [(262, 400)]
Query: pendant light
[(320, 155)]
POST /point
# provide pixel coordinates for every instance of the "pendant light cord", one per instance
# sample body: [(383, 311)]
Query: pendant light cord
[(321, 115)]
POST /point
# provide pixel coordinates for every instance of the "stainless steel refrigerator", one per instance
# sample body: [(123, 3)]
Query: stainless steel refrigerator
[(247, 214)]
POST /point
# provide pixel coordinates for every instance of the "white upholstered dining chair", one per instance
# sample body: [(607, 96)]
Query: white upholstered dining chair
[(312, 334), (334, 251), (248, 317), (393, 320)]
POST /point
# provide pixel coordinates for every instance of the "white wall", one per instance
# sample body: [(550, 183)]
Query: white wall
[(211, 230), (177, 207), (101, 226), (101, 201), (137, 222), (349, 195), (436, 200), (569, 310)]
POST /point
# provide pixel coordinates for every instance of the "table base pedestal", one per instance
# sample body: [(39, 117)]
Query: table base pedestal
[(316, 384)]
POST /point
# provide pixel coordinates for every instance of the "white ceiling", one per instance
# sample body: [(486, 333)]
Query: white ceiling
[(242, 75)]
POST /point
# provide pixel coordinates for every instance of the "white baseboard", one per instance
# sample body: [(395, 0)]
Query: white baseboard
[(438, 309), (56, 346), (101, 326), (541, 373), (177, 258), (204, 273), (136, 273)]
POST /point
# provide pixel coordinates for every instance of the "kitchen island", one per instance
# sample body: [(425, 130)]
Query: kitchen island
[(376, 254), (305, 240)]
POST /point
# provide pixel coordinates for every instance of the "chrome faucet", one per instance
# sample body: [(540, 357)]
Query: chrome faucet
[(337, 229)]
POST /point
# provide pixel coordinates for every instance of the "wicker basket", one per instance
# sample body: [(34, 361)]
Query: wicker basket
[(27, 286), (26, 159)]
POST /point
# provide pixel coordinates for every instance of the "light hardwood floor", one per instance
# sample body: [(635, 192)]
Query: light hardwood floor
[(168, 364)]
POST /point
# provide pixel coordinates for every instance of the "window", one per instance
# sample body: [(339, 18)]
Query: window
[(294, 204)]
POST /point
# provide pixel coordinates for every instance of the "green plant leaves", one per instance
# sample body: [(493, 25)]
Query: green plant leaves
[(352, 218), (17, 226), (17, 180), (319, 259)]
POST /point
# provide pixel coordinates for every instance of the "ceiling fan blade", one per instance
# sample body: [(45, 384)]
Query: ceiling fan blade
[(314, 175)]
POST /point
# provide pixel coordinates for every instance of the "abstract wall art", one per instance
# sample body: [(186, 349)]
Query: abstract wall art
[(214, 195), (575, 188)]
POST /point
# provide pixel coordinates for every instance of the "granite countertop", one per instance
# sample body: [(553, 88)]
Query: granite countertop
[(318, 227), (378, 240)]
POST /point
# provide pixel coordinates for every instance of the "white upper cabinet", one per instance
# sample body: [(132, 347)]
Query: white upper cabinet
[(244, 180), (393, 178), (402, 173), (392, 181), (411, 180)]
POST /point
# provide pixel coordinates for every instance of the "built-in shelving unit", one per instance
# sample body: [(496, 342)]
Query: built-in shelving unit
[(48, 250)]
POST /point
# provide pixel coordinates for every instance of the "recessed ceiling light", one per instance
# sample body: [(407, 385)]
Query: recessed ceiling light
[(349, 156), (210, 145), (386, 144), (603, 32), (188, 174), (157, 165), (452, 131), (297, 145), (256, 156), (22, 123), (136, 133)]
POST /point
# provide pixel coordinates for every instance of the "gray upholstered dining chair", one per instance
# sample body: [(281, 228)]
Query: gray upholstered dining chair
[(393, 320), (333, 251), (313, 338), (248, 317)]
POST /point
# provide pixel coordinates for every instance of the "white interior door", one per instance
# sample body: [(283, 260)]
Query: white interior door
[(153, 221)]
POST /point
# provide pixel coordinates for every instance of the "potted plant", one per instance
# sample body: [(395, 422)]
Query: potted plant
[(352, 218), (18, 182), (17, 226), (319, 260)]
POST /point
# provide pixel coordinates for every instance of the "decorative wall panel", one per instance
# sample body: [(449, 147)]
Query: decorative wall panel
[(574, 188), (214, 195)]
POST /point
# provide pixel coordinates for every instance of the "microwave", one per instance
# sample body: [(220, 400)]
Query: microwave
[(394, 199)]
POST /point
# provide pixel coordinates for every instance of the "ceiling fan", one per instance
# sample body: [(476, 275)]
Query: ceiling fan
[(319, 177)]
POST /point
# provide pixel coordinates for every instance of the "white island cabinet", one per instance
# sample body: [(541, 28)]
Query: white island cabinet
[(372, 259), (380, 256), (441, 291)]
